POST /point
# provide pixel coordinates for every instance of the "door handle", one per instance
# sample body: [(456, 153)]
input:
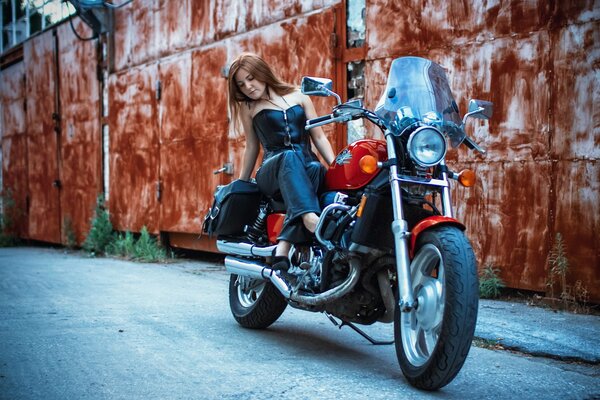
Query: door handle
[(227, 168)]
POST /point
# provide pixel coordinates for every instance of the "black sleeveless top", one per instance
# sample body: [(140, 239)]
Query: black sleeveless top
[(272, 128)]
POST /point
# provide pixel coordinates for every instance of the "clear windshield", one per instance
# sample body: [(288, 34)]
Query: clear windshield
[(417, 91)]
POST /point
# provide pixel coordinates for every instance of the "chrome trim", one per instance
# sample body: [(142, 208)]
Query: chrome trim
[(244, 249), (446, 197), (257, 270), (421, 181), (399, 229), (326, 210)]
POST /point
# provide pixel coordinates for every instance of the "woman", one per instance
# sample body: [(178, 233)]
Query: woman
[(273, 113)]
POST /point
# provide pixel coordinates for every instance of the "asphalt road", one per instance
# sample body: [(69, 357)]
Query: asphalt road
[(73, 327)]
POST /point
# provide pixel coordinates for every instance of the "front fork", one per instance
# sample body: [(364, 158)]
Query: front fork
[(407, 302)]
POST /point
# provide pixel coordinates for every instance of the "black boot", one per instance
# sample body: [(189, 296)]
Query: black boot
[(281, 263)]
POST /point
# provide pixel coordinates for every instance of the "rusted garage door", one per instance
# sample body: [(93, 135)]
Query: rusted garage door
[(14, 149), (193, 132), (134, 149), (42, 139), (80, 155)]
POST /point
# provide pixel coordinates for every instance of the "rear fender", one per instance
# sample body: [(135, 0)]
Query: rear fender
[(428, 223), (274, 226)]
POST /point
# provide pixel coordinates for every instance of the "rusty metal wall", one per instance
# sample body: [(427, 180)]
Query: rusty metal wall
[(80, 144), (538, 62), (14, 148), (51, 151), (42, 144), (134, 149)]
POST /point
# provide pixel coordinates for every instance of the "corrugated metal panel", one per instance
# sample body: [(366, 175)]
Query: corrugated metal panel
[(80, 133), (575, 147), (415, 26), (44, 210), (135, 34), (193, 136), (14, 146), (134, 149), (577, 218), (158, 28), (507, 220)]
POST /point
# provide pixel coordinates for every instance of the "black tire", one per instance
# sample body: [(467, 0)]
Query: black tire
[(254, 303), (432, 342)]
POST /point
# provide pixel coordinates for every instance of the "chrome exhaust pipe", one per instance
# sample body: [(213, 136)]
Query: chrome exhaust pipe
[(244, 249), (257, 270)]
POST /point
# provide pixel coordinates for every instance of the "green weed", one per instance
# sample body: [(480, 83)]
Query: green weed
[(101, 232), (490, 284), (147, 249), (123, 245), (573, 298)]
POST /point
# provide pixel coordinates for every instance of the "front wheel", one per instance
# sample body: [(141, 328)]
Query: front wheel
[(433, 340), (254, 303)]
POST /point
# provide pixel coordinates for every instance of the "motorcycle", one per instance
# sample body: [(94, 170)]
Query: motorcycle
[(387, 247)]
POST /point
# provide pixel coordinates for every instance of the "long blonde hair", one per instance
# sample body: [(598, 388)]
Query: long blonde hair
[(261, 71)]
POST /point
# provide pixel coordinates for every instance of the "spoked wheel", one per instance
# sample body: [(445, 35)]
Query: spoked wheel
[(433, 340), (254, 303)]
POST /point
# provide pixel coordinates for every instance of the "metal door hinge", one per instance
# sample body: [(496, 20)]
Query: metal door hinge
[(334, 40), (158, 190), (56, 119), (158, 90)]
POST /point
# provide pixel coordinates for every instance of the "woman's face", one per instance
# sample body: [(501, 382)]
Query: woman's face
[(248, 85)]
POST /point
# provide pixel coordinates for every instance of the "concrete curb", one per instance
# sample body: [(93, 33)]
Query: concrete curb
[(540, 331)]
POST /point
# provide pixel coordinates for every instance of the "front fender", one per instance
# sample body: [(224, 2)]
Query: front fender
[(427, 223)]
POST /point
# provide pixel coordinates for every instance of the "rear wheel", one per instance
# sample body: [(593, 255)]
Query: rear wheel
[(433, 340), (254, 303)]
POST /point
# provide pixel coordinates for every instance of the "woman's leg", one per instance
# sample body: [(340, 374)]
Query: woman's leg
[(310, 221), (283, 248)]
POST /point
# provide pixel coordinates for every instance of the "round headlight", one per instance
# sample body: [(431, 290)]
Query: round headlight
[(427, 146)]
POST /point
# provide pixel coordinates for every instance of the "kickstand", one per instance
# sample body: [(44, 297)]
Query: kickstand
[(357, 330)]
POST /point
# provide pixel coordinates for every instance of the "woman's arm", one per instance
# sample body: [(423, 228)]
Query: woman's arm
[(317, 135), (252, 145)]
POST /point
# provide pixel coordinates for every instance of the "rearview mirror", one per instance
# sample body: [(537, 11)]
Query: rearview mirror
[(481, 109), (316, 86)]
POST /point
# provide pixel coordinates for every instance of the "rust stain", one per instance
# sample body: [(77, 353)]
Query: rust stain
[(80, 134), (44, 206), (14, 148), (134, 149), (578, 185), (174, 27), (136, 38), (507, 220), (576, 87), (193, 125)]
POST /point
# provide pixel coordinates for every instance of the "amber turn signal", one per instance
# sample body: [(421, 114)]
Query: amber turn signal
[(368, 164), (467, 177)]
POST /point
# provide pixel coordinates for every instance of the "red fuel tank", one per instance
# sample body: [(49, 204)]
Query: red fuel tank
[(345, 173)]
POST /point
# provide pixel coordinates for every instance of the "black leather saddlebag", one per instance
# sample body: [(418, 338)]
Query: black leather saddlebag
[(235, 205)]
